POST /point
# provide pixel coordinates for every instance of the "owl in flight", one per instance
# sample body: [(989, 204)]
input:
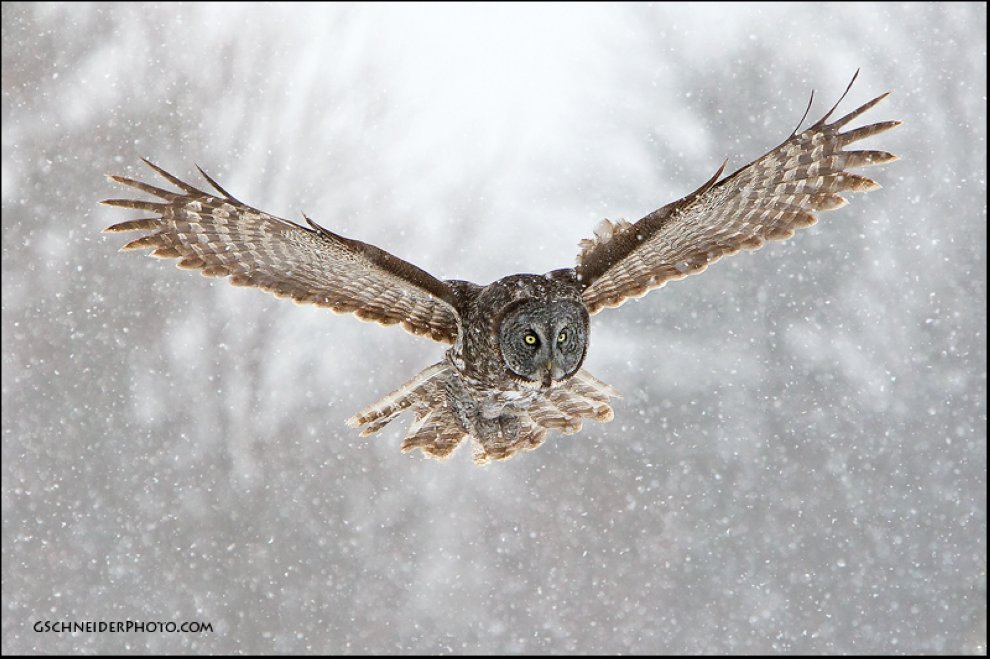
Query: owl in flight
[(513, 370)]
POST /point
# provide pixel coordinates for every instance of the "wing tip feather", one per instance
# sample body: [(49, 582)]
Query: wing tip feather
[(613, 293), (142, 243)]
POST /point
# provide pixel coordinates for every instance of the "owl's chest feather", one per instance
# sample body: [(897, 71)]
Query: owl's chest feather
[(486, 392)]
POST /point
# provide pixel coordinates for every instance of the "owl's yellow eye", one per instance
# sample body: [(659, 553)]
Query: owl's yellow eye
[(561, 337), (530, 339)]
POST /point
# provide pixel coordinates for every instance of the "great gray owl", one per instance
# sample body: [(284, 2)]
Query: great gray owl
[(513, 370)]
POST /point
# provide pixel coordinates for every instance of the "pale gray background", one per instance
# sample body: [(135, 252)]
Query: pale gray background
[(799, 462)]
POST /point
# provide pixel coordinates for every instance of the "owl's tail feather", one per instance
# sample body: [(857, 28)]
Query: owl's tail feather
[(565, 408), (582, 397), (435, 430)]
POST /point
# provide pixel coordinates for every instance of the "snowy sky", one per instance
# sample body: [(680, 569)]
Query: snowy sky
[(798, 464)]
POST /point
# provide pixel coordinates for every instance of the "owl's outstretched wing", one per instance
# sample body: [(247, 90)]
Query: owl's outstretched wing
[(765, 200), (222, 237)]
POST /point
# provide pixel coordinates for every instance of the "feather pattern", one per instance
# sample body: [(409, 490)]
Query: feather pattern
[(441, 421), (222, 237), (766, 200)]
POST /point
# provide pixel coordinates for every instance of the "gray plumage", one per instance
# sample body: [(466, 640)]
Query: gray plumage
[(513, 371)]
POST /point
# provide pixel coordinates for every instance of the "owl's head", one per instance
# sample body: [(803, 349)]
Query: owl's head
[(544, 342)]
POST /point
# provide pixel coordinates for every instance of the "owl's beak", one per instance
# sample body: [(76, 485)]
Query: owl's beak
[(548, 375)]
